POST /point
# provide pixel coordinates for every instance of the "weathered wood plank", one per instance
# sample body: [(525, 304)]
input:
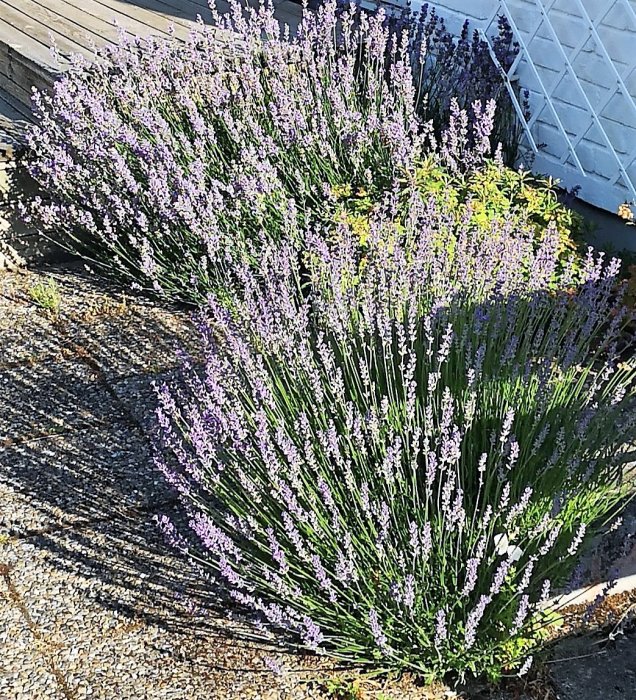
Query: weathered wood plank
[(191, 8), (101, 18), (15, 90), (24, 62), (152, 13), (14, 120), (13, 61), (33, 38), (57, 16), (13, 109)]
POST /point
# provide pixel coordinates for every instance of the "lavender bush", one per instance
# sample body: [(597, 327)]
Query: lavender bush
[(399, 458), (462, 68), (168, 161), (165, 163)]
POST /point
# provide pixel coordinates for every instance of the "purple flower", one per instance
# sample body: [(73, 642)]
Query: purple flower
[(311, 634), (322, 578), (472, 566), (212, 537), (426, 540), (500, 577), (376, 631), (545, 591), (526, 666), (277, 551), (441, 631), (473, 620), (522, 613), (169, 531), (414, 539), (409, 592), (273, 665)]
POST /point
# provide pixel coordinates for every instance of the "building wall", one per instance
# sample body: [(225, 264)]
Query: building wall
[(456, 11), (597, 112)]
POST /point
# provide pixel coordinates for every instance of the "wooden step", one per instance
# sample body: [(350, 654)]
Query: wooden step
[(24, 60), (14, 120)]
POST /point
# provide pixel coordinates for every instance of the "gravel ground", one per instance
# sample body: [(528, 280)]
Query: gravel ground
[(50, 397), (92, 602), (81, 475), (587, 668)]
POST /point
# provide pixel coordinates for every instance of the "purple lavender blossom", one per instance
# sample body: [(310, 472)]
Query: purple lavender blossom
[(500, 577), (278, 553), (474, 618), (322, 578), (522, 612), (312, 635), (578, 538), (426, 540), (376, 631), (441, 630), (173, 537), (545, 591), (409, 592), (273, 665), (472, 568)]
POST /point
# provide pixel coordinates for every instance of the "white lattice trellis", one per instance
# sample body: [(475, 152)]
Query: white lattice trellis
[(581, 103)]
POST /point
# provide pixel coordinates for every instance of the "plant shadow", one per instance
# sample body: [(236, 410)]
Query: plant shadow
[(78, 486)]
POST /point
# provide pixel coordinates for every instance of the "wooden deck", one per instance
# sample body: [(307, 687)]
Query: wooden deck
[(28, 27)]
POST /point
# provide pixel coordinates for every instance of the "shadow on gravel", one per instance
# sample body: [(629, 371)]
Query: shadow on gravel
[(77, 479)]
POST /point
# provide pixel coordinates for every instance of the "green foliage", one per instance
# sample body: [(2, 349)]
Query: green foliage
[(342, 689), (485, 197), (495, 192), (46, 295)]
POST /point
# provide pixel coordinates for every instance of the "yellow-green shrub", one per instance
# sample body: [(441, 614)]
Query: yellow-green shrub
[(495, 191), (490, 194)]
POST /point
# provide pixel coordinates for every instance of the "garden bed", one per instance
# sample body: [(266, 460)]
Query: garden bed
[(401, 412)]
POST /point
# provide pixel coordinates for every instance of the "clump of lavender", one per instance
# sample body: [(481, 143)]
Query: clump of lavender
[(165, 163), (461, 68), (168, 162), (397, 457)]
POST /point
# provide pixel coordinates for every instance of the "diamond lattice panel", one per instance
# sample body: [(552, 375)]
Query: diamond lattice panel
[(578, 62)]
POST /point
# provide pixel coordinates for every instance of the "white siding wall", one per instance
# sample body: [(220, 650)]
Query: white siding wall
[(456, 11), (599, 65)]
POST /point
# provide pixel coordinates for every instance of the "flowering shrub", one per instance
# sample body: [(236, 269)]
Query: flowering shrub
[(462, 68), (401, 470), (165, 162)]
